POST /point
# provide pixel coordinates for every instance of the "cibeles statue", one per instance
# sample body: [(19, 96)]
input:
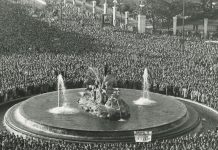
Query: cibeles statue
[(101, 98)]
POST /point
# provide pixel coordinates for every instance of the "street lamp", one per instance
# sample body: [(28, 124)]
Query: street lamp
[(141, 19), (93, 7), (61, 14), (83, 5), (141, 5), (25, 82), (213, 5), (120, 5), (83, 9), (114, 12), (105, 7), (115, 3), (183, 25)]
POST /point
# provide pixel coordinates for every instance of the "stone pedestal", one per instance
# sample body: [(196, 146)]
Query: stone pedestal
[(93, 7), (126, 17), (141, 23), (174, 25), (205, 27), (114, 15), (105, 8)]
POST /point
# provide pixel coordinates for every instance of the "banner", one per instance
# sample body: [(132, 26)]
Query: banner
[(107, 20), (143, 136)]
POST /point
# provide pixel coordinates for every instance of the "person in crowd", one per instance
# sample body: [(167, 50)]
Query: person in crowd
[(32, 68), (204, 141), (30, 64)]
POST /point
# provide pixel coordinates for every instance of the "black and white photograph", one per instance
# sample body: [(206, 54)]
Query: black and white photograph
[(109, 74)]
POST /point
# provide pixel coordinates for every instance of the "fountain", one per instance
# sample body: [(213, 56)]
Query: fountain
[(100, 112), (121, 118), (101, 99), (145, 84), (65, 108), (61, 89), (145, 99)]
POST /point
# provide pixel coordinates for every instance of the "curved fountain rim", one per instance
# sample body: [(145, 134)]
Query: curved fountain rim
[(160, 125), (197, 103), (32, 124), (51, 92)]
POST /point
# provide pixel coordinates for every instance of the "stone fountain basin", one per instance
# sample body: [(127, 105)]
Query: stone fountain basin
[(32, 117)]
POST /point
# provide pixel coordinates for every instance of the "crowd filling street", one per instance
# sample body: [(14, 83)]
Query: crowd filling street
[(47, 44)]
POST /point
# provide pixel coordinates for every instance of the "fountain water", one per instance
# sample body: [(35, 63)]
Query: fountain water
[(65, 108), (121, 119), (145, 84), (145, 99), (61, 90)]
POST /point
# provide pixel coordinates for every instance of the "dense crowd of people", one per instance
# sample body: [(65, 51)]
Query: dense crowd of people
[(46, 46), (206, 141), (37, 44)]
